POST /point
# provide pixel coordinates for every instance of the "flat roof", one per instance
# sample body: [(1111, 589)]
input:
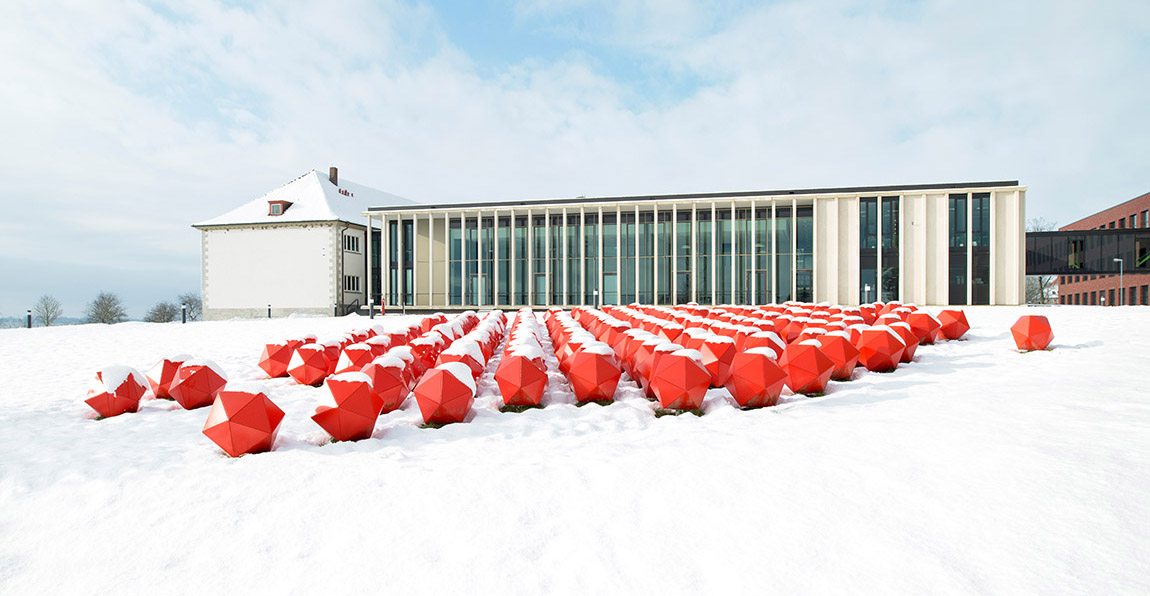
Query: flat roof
[(847, 190)]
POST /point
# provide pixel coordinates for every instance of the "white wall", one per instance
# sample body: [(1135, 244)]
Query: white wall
[(288, 267), (353, 264)]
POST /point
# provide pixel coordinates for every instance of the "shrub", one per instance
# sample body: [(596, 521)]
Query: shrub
[(106, 308)]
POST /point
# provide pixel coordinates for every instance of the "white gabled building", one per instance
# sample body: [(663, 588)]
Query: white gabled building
[(298, 249)]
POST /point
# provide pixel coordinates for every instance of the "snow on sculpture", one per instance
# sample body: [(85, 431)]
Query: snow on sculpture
[(595, 373), (308, 365), (243, 422), (1032, 332), (116, 390), (276, 357)]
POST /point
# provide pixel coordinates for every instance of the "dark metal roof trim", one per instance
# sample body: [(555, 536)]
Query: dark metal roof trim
[(709, 195)]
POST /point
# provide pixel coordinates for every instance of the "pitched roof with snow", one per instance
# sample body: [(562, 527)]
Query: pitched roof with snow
[(313, 198)]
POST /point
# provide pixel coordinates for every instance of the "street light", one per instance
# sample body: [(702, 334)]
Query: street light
[(1121, 289)]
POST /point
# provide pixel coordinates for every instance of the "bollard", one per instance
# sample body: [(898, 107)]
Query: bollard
[(29, 318), (184, 313), (335, 310), (371, 309), (269, 311)]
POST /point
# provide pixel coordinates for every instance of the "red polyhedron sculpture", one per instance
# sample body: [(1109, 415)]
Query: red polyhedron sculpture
[(161, 376), (808, 369), (242, 422), (681, 380), (275, 358), (756, 380), (308, 365), (521, 381), (954, 323), (445, 393), (910, 342), (880, 349), (594, 374), (116, 390), (387, 381), (197, 384), (1032, 332), (842, 352), (355, 357), (925, 326), (718, 352), (356, 407)]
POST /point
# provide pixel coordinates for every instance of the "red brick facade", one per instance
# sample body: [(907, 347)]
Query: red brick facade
[(1103, 289)]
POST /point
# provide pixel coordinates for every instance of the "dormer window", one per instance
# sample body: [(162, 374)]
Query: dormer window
[(278, 207)]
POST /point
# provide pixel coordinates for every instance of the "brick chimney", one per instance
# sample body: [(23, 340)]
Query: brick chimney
[(333, 175)]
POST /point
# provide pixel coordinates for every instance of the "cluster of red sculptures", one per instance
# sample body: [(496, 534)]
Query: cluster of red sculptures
[(522, 371), (189, 382), (591, 366)]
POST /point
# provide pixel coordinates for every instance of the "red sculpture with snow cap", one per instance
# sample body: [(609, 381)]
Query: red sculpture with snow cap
[(116, 390)]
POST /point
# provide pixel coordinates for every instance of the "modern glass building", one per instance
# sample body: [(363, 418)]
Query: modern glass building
[(939, 244)]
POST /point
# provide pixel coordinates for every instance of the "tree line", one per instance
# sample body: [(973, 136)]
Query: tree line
[(108, 308)]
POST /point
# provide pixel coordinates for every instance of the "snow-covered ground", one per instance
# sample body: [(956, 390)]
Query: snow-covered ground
[(974, 470)]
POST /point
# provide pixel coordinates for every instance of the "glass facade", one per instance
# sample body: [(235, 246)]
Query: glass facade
[(708, 252)]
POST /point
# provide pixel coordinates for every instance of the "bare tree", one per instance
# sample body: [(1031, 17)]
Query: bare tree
[(1041, 289), (106, 308), (163, 312), (47, 310), (195, 305)]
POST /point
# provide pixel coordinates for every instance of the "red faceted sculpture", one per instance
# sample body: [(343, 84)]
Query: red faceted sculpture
[(842, 352), (1032, 332), (925, 326), (466, 351), (954, 323), (243, 422), (681, 380), (445, 393), (910, 342), (355, 357), (351, 413), (115, 390), (308, 365), (521, 381), (756, 380), (161, 375), (387, 381), (276, 357), (197, 384), (808, 369), (880, 349), (594, 373), (718, 351)]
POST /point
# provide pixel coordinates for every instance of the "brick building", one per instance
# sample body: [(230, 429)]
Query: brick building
[(1104, 289)]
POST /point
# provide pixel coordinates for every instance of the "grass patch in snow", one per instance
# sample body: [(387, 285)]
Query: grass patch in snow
[(601, 402), (433, 425), (660, 412), (519, 409)]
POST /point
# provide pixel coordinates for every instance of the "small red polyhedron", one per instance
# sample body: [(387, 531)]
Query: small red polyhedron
[(756, 380), (355, 409), (594, 374), (1032, 332), (197, 384), (521, 382), (161, 376), (808, 369), (910, 342), (681, 380), (387, 381), (355, 357), (275, 358), (242, 422), (925, 326), (718, 351), (880, 349), (954, 323), (446, 393), (842, 352), (115, 390), (308, 365)]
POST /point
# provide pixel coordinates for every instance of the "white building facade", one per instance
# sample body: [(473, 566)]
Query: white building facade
[(300, 249), (931, 244)]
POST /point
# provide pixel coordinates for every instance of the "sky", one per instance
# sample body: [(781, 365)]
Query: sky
[(122, 123)]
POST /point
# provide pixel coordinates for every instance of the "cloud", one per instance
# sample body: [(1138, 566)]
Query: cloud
[(125, 125)]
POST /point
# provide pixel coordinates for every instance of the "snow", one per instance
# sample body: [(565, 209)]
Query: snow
[(351, 376), (313, 198), (112, 376), (975, 469), (460, 371), (209, 364)]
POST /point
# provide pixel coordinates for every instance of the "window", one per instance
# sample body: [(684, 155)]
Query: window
[(278, 207), (1111, 225), (351, 283), (1134, 221), (351, 243), (1122, 223), (957, 274), (1146, 218)]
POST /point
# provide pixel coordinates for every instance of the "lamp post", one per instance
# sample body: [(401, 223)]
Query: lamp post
[(866, 293), (1121, 288)]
